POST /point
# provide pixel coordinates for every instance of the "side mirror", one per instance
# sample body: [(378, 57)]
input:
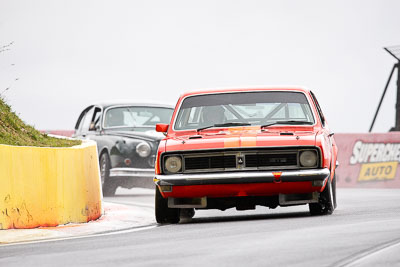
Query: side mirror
[(161, 127)]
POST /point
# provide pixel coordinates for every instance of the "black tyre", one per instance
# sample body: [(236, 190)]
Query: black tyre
[(326, 205), (163, 213), (108, 186), (187, 213)]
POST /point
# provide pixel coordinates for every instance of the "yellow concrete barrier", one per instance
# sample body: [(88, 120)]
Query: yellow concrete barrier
[(49, 186)]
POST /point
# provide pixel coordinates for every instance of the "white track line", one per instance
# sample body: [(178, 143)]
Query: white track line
[(129, 203), (137, 229)]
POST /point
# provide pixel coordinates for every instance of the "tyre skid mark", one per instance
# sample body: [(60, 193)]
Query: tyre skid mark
[(365, 254)]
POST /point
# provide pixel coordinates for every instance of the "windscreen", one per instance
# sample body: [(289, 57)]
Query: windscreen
[(136, 117), (250, 108)]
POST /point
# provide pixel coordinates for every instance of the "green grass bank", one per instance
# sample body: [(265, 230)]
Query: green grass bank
[(13, 131)]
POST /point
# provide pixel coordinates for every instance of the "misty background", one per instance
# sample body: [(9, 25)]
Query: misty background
[(67, 55)]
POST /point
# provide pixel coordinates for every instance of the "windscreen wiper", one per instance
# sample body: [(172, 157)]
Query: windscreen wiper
[(228, 124), (292, 122)]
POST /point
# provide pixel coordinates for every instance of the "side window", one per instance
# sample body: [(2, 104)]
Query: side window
[(321, 115), (95, 122), (85, 124), (79, 122), (78, 125)]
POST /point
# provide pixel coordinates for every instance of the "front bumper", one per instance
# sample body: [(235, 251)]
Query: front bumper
[(317, 175), (132, 172)]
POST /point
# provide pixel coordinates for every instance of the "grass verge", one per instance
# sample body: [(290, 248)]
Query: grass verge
[(13, 131)]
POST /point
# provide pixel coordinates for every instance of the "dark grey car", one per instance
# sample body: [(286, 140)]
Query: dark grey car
[(126, 141)]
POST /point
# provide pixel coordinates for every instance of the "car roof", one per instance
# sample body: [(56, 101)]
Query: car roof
[(228, 90), (111, 103)]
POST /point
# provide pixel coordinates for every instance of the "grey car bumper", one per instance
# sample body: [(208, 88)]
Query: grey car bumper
[(132, 172)]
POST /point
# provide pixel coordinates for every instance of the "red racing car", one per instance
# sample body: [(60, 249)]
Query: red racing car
[(245, 147)]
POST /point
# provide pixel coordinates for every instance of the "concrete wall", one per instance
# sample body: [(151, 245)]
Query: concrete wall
[(49, 186)]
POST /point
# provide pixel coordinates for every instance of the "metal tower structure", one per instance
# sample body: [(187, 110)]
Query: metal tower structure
[(395, 52)]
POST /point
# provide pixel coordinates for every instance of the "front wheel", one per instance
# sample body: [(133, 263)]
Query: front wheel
[(163, 213), (326, 203), (108, 186)]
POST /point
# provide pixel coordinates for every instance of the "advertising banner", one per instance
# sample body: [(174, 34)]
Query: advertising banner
[(368, 160)]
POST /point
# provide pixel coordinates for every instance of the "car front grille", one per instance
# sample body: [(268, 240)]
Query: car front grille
[(228, 160), (271, 160), (210, 162)]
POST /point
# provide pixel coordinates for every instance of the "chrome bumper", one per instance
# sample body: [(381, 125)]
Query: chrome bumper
[(132, 172), (242, 177)]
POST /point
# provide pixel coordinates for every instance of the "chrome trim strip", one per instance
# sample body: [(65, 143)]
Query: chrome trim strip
[(132, 172), (242, 177)]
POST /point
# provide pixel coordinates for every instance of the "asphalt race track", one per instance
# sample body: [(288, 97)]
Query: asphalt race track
[(363, 231)]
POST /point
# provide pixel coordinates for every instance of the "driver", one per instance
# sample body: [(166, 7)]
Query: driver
[(213, 115), (115, 118)]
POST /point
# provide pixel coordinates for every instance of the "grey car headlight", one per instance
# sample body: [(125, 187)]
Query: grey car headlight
[(308, 158), (173, 164), (143, 149)]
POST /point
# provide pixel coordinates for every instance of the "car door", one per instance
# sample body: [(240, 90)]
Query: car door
[(88, 126), (82, 127), (79, 126), (94, 130)]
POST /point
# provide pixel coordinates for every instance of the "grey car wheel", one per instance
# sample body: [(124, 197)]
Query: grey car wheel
[(108, 186)]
